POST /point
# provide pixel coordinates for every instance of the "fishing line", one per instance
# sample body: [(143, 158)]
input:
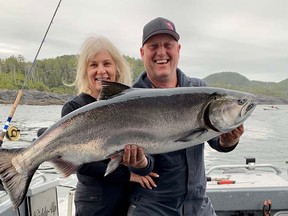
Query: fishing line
[(20, 92)]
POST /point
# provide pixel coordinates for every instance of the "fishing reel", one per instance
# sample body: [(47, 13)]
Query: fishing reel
[(13, 133)]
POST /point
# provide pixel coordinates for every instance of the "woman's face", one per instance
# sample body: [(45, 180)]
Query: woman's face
[(101, 67)]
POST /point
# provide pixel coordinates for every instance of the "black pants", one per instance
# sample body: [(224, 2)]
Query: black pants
[(102, 200)]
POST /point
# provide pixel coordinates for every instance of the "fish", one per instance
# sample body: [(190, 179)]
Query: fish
[(158, 120)]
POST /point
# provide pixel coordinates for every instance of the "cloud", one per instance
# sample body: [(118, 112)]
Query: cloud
[(249, 37)]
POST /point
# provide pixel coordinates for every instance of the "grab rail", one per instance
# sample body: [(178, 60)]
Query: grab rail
[(250, 166)]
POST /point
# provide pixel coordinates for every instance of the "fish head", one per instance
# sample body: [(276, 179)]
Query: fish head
[(225, 112)]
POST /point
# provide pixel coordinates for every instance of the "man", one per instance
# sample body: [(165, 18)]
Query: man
[(181, 186)]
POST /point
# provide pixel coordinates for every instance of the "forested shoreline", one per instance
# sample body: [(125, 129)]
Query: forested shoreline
[(45, 84)]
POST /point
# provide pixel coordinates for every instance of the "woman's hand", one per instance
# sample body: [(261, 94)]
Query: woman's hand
[(144, 181)]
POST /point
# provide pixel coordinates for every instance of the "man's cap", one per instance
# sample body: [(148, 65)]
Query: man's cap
[(159, 26)]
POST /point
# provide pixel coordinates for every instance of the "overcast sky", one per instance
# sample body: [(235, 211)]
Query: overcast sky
[(245, 36)]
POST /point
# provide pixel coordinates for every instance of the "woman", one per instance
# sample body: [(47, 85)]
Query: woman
[(95, 194)]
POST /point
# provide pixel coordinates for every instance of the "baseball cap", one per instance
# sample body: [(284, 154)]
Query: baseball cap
[(159, 25)]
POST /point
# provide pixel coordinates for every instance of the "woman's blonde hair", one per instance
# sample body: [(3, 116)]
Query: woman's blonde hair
[(90, 47)]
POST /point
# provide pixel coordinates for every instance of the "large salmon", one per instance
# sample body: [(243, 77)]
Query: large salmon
[(159, 120)]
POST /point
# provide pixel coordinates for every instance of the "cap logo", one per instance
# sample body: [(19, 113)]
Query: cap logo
[(170, 26)]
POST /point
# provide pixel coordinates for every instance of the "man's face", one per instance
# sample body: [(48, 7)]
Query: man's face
[(160, 55)]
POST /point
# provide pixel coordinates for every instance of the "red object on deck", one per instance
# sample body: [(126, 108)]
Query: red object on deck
[(226, 181)]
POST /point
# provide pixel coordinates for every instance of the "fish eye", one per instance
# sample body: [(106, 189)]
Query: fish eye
[(242, 101)]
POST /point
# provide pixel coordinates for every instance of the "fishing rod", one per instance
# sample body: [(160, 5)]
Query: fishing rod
[(20, 92)]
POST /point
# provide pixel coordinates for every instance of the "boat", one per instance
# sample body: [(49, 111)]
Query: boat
[(248, 189), (235, 190), (271, 108), (48, 195), (41, 197)]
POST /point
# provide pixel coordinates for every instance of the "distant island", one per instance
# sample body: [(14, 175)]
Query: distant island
[(267, 92)]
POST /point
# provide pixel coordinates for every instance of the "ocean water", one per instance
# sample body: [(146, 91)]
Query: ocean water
[(28, 119), (265, 137)]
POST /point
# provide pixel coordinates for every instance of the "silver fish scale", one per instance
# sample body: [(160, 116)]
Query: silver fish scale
[(150, 122), (153, 118)]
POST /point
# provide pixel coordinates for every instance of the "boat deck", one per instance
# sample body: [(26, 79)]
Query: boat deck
[(248, 190)]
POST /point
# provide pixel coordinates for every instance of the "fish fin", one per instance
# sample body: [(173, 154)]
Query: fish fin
[(114, 154), (193, 135), (65, 167), (113, 164), (16, 184), (111, 89), (116, 158)]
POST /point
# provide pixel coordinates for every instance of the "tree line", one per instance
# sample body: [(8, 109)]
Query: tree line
[(236, 81), (51, 75), (48, 74)]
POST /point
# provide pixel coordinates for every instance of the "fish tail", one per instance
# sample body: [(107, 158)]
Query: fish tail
[(16, 184)]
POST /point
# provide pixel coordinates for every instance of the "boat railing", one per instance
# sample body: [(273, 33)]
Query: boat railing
[(39, 175), (249, 166), (71, 202), (3, 193)]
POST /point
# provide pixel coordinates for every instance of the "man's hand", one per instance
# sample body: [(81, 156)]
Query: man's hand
[(134, 156), (231, 138), (144, 181)]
